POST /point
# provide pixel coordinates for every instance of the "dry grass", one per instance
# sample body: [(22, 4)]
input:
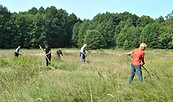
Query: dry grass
[(103, 78)]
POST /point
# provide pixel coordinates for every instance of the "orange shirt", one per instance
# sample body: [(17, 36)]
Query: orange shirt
[(138, 55)]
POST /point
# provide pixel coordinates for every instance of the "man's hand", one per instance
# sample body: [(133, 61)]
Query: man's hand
[(142, 64), (62, 56), (130, 55)]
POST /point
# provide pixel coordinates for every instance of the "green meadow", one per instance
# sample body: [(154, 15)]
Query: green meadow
[(102, 78)]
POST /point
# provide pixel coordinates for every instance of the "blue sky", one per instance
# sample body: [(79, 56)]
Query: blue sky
[(89, 8)]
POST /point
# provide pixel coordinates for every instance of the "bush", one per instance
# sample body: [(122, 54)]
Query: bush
[(94, 39), (126, 45)]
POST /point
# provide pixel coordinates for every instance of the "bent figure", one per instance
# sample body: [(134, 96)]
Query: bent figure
[(59, 53), (83, 53), (17, 51)]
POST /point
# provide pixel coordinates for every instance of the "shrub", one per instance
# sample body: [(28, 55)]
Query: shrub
[(94, 39)]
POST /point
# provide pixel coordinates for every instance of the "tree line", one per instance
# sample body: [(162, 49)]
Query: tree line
[(60, 29), (33, 27)]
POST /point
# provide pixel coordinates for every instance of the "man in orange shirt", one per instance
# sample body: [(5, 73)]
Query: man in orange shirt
[(136, 62)]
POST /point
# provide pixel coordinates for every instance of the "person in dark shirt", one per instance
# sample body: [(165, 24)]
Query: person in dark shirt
[(59, 53), (17, 51), (48, 53)]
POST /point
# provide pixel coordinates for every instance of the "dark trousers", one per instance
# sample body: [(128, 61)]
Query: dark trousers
[(82, 57), (58, 56), (48, 59), (16, 54)]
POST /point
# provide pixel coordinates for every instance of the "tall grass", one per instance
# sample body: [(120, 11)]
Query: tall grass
[(103, 78)]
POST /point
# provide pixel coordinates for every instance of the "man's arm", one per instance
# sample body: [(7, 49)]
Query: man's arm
[(143, 62), (48, 53), (61, 54), (19, 52), (130, 53), (83, 52), (88, 50)]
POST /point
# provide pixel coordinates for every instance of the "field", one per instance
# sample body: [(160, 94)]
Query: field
[(103, 78)]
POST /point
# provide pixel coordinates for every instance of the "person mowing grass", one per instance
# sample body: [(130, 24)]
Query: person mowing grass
[(59, 53), (48, 53), (17, 51), (138, 56), (83, 53)]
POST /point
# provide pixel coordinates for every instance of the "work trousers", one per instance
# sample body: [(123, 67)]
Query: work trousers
[(82, 57), (136, 69), (48, 59)]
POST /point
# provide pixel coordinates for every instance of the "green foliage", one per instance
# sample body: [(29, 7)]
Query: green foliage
[(33, 11), (106, 24), (75, 34), (144, 20), (130, 35), (165, 41), (60, 29), (168, 34), (5, 25), (160, 20), (150, 34), (107, 30), (31, 28), (94, 39), (86, 25), (126, 45)]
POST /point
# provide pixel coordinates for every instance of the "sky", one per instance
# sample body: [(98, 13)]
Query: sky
[(87, 9)]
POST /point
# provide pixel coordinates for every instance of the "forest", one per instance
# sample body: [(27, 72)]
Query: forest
[(61, 29)]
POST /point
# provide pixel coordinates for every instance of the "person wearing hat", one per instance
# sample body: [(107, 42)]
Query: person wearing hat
[(48, 53), (83, 53)]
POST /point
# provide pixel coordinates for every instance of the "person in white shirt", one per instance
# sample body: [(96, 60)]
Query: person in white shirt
[(16, 53), (83, 53)]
